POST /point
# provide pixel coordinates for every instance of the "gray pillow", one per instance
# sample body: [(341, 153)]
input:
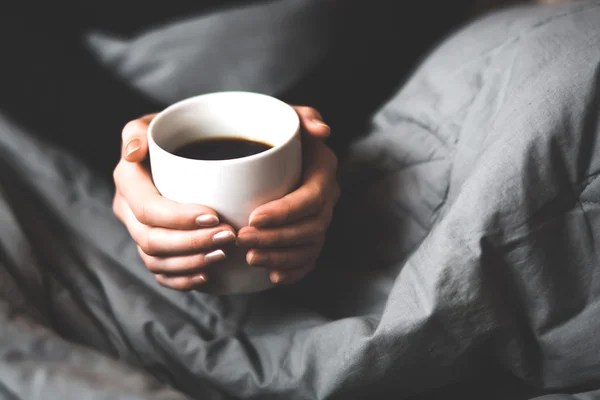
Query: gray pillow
[(265, 47)]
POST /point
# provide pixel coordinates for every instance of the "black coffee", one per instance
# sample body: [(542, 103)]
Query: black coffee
[(221, 149)]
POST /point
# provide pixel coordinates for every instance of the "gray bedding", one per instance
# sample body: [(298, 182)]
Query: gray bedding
[(463, 260), (265, 47)]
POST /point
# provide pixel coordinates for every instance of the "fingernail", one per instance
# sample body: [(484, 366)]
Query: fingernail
[(320, 123), (132, 147), (247, 239), (198, 279), (207, 220), (223, 237), (276, 276), (258, 220), (216, 255), (257, 259)]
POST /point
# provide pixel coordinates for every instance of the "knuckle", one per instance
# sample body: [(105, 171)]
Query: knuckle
[(149, 242), (319, 195), (142, 213)]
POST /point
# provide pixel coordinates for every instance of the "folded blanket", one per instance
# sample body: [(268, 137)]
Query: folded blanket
[(463, 261)]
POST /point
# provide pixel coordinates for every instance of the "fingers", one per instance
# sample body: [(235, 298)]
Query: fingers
[(305, 201), (134, 184), (312, 122), (134, 139), (161, 242), (184, 265), (317, 192), (181, 282), (185, 283), (283, 259), (303, 232), (176, 241)]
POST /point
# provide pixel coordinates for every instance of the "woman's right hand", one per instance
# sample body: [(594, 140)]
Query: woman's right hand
[(175, 241)]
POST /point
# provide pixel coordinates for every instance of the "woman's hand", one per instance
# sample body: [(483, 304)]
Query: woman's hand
[(176, 241), (286, 235)]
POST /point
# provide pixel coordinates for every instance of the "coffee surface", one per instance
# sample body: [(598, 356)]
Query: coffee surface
[(223, 148)]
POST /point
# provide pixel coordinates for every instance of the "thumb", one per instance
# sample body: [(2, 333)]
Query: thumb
[(134, 139), (312, 122)]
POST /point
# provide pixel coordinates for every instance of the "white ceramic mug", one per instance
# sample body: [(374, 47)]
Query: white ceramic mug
[(235, 187)]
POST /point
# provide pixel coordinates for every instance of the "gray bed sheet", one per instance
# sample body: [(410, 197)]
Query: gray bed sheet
[(465, 246)]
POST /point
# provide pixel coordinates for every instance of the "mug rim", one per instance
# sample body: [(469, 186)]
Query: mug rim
[(183, 103)]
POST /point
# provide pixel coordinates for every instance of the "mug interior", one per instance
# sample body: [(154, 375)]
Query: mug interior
[(243, 115)]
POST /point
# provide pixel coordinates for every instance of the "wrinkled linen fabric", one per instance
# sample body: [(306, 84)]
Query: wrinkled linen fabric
[(465, 248)]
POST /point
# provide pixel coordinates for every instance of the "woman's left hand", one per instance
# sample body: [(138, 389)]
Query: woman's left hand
[(286, 235)]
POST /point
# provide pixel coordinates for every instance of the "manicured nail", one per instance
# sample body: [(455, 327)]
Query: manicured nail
[(258, 220), (207, 220), (198, 279), (216, 255), (276, 276), (132, 147), (247, 240), (223, 237), (257, 259)]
